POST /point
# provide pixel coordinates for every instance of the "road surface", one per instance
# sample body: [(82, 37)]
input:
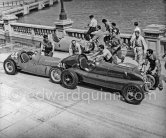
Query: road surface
[(40, 108)]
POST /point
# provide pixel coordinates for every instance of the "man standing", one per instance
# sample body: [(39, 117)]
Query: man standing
[(108, 30), (92, 27), (47, 46), (140, 48), (115, 46), (154, 67), (75, 48), (115, 29), (136, 29)]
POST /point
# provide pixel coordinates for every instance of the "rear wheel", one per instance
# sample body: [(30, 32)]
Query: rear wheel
[(133, 94), (69, 79), (55, 74), (10, 67)]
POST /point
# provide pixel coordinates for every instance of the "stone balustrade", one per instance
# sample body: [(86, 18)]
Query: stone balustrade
[(31, 29), (31, 34), (78, 33), (11, 3), (25, 7)]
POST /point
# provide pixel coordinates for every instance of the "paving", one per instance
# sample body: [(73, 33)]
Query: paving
[(33, 107)]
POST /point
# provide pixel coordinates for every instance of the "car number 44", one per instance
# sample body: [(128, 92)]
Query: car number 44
[(14, 55)]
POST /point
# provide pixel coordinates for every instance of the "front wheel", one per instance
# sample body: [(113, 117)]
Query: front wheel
[(133, 94), (10, 67), (55, 74), (69, 79), (150, 81)]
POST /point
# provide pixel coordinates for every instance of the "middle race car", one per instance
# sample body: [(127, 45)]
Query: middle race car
[(125, 77)]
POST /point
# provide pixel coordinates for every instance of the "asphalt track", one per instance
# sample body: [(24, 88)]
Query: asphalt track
[(88, 111)]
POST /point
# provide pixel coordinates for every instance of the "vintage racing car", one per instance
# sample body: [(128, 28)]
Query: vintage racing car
[(125, 77), (30, 62)]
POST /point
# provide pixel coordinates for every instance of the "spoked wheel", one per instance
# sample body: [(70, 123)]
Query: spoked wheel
[(133, 94), (150, 80), (9, 67), (55, 74), (69, 79)]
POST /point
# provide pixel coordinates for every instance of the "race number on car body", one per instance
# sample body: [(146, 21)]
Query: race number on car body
[(14, 55)]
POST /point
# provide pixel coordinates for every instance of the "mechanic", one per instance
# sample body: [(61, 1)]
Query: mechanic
[(92, 27), (103, 53), (140, 48), (154, 67), (137, 28), (164, 57), (47, 47), (98, 36), (108, 30), (75, 48), (115, 46), (115, 29)]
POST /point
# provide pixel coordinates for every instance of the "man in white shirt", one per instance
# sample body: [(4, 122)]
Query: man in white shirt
[(103, 53), (136, 29), (92, 27), (140, 48)]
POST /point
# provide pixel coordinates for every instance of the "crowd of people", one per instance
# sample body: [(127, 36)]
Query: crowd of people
[(108, 43)]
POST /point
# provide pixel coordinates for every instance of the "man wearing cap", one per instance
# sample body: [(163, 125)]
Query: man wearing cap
[(140, 48)]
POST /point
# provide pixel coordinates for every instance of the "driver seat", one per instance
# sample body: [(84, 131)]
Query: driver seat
[(24, 57), (84, 64)]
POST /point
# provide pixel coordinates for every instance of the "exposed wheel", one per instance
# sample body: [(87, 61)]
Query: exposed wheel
[(133, 94), (69, 79), (150, 81), (55, 74), (10, 67)]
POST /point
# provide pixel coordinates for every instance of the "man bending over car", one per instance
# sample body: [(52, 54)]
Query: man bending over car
[(103, 53)]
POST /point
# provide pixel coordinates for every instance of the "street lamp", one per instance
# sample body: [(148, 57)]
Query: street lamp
[(63, 15)]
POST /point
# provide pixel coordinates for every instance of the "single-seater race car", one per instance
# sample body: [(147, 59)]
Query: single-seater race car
[(30, 62), (125, 77)]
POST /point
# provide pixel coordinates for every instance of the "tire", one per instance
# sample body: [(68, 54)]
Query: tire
[(55, 74), (10, 67), (69, 79), (133, 94), (151, 80)]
